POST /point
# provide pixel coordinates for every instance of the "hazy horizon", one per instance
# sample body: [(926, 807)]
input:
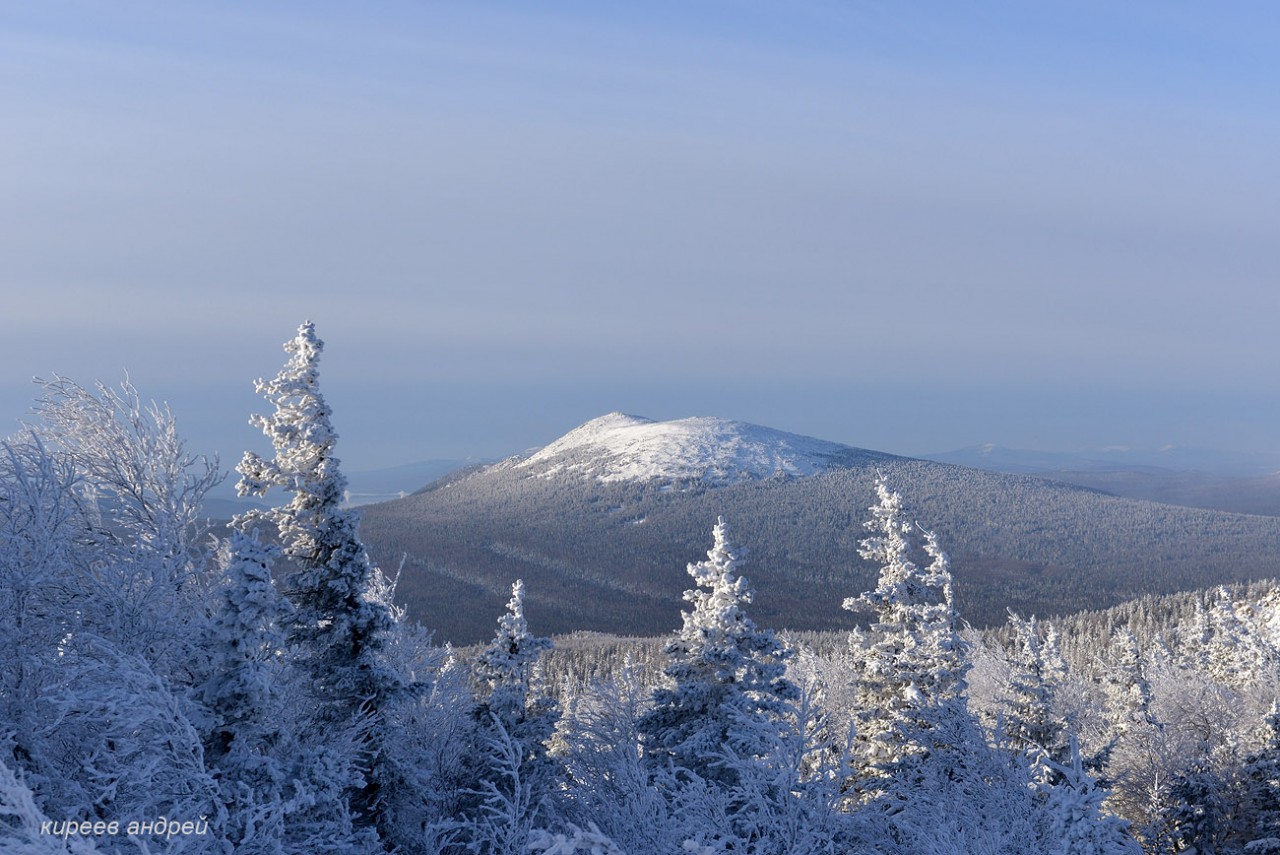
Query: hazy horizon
[(912, 229)]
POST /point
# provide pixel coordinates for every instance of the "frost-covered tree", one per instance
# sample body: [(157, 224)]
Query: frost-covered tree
[(912, 661), (119, 742), (589, 841), (608, 782), (105, 592), (1069, 800), (335, 623), (141, 517), (1125, 686), (1262, 776), (1235, 653), (248, 743), (133, 465), (25, 829), (1200, 811), (503, 673), (245, 639), (42, 568), (1072, 813), (728, 684), (507, 698), (336, 627), (1030, 722), (925, 769), (506, 775), (789, 800)]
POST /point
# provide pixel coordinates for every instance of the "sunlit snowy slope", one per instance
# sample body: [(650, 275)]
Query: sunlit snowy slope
[(717, 452)]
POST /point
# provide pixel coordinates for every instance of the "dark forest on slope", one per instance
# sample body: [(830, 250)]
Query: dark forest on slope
[(610, 557)]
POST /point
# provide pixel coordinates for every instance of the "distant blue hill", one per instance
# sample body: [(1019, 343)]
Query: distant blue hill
[(995, 458)]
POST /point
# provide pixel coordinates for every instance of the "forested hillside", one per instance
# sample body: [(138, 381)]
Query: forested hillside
[(607, 555)]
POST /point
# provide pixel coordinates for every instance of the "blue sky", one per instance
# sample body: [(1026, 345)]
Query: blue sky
[(906, 226)]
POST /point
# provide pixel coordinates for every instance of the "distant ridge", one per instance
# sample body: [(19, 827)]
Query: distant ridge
[(1233, 482)]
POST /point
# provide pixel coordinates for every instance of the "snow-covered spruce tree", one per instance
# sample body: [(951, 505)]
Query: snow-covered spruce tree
[(336, 629), (912, 662), (245, 638), (924, 768), (1138, 754), (789, 800), (1262, 780), (1202, 810), (1236, 655), (1069, 800), (1074, 820), (1125, 686), (729, 686), (246, 746), (502, 674), (1029, 723), (507, 775)]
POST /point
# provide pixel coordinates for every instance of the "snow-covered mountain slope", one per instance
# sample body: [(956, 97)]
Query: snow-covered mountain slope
[(717, 452), (601, 524)]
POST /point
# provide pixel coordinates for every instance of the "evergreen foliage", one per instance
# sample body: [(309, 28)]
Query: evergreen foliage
[(1030, 724), (729, 686), (1262, 778), (337, 628), (912, 663), (247, 748), (507, 773), (334, 621)]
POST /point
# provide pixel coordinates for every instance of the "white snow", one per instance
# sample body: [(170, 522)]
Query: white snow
[(619, 447)]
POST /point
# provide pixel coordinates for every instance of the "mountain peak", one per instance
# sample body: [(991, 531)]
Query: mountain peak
[(621, 447)]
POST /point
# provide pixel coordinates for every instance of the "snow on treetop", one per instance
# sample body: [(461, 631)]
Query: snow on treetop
[(619, 447)]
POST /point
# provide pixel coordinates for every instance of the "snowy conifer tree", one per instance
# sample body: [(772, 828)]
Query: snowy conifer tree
[(912, 660), (245, 638), (1073, 815), (336, 627), (1030, 724), (506, 775), (1200, 810), (246, 746), (505, 694), (1125, 685), (1235, 654), (1262, 776), (729, 677)]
